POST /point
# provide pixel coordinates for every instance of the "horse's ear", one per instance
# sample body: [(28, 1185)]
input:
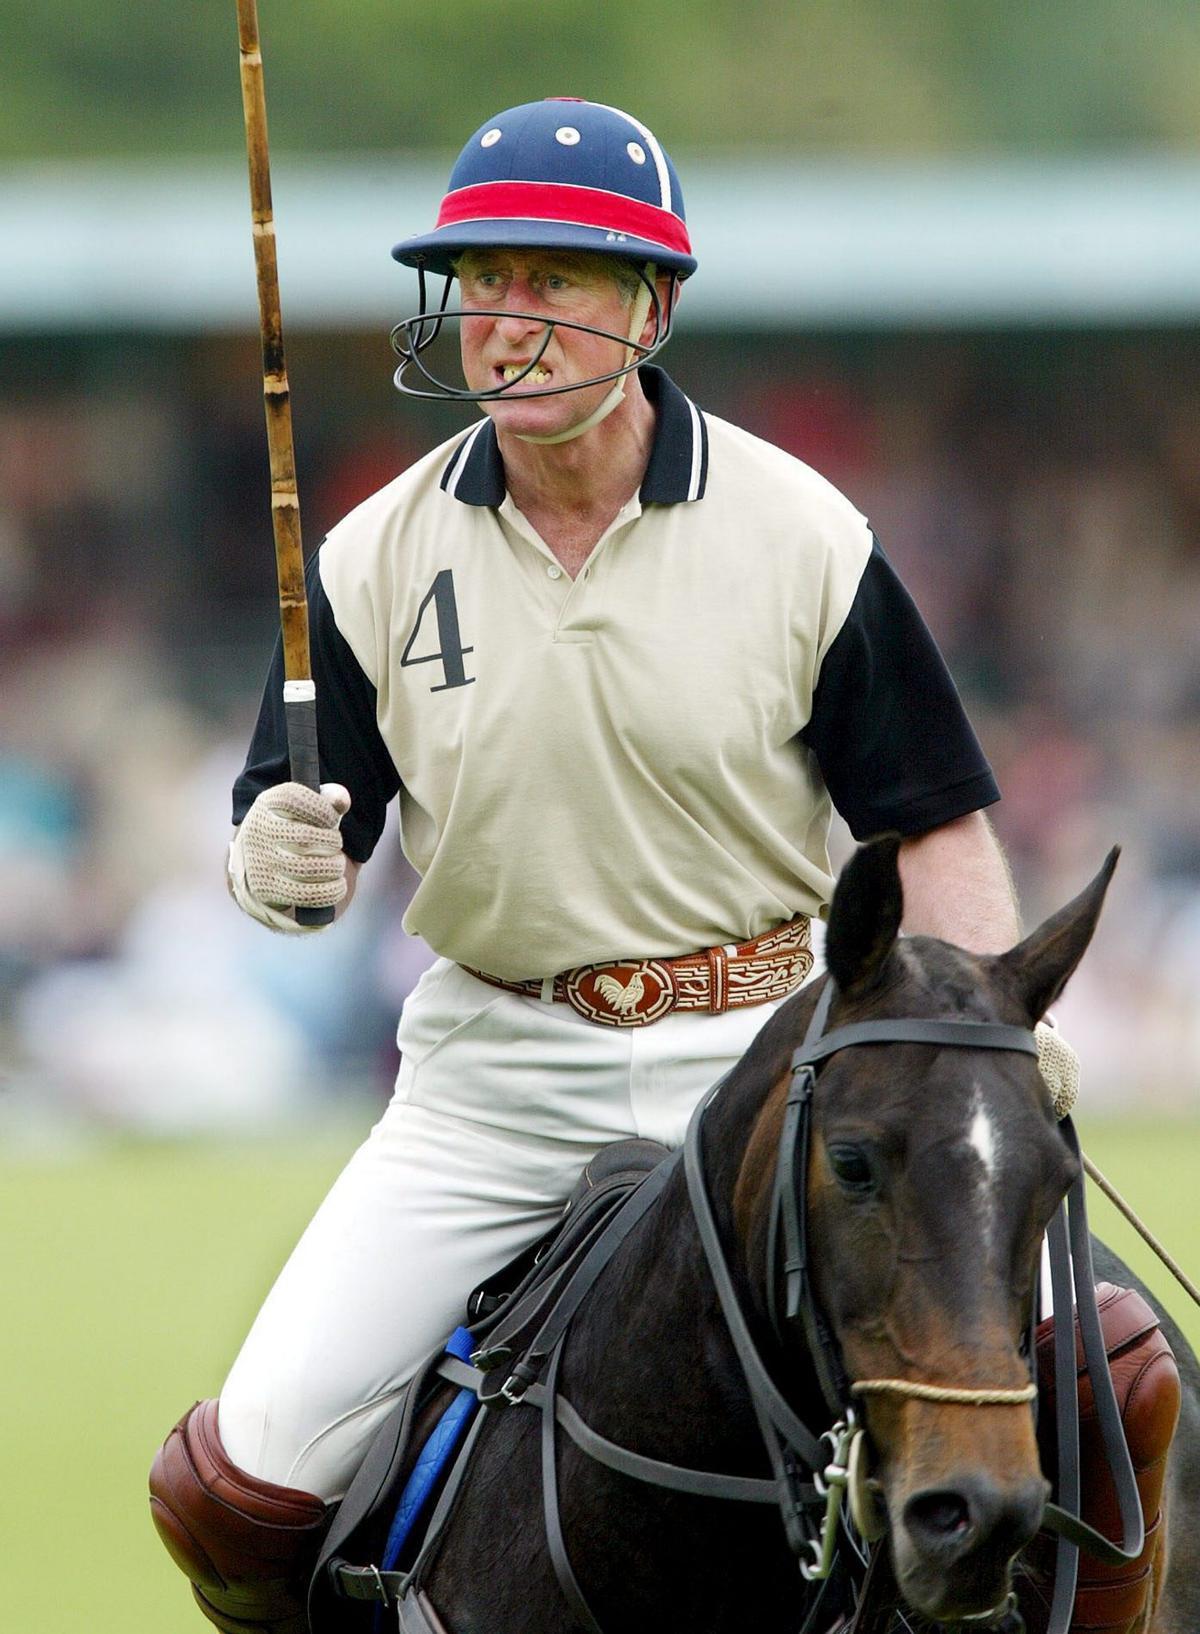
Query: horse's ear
[(1044, 962), (864, 917)]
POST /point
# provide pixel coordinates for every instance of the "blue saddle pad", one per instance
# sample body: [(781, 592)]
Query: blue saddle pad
[(433, 1457)]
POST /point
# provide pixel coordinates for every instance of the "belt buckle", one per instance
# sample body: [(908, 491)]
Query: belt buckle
[(624, 993)]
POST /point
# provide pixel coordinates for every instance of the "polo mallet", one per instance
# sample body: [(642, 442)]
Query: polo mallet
[(299, 690)]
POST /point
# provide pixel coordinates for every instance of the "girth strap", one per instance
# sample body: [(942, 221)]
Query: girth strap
[(386, 1587)]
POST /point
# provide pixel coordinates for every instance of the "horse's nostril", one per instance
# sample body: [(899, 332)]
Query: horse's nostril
[(974, 1513), (940, 1516)]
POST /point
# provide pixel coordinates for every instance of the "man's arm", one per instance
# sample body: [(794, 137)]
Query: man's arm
[(353, 752), (957, 886)]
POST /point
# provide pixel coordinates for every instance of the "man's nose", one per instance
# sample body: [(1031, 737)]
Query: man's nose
[(512, 325), (514, 328)]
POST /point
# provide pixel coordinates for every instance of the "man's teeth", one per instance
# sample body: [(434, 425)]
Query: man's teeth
[(535, 377)]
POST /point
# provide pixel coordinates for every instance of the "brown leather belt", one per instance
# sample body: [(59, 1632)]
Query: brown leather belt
[(635, 992)]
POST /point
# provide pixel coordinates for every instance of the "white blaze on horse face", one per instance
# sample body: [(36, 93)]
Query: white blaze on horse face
[(983, 1141), (982, 1136)]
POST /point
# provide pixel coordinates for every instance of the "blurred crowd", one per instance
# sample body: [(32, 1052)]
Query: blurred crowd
[(1040, 494)]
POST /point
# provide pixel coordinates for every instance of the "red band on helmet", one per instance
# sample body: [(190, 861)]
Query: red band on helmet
[(578, 206)]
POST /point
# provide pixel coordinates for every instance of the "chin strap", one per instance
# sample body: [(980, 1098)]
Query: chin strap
[(637, 322)]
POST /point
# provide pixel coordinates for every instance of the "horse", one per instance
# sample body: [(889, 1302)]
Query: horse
[(903, 1281)]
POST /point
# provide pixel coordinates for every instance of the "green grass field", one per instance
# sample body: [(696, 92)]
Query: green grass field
[(128, 1277)]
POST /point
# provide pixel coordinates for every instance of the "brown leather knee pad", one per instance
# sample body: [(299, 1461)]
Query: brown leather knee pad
[(248, 1547), (1112, 1599)]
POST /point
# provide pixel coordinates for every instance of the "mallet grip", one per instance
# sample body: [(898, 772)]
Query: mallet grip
[(300, 715)]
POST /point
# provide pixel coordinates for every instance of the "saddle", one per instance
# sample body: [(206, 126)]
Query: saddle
[(502, 1315)]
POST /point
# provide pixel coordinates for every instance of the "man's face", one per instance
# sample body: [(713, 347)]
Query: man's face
[(497, 346)]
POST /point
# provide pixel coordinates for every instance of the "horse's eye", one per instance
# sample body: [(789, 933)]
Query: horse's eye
[(851, 1168)]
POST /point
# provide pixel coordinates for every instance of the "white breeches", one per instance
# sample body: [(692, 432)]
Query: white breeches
[(500, 1101)]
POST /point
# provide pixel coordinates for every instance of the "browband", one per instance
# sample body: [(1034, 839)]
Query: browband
[(971, 1035)]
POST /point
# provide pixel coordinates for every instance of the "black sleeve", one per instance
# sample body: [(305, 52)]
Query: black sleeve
[(887, 728), (350, 746)]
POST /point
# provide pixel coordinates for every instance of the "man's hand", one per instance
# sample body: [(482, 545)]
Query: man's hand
[(287, 853)]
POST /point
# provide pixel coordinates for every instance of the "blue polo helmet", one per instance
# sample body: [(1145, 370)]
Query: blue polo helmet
[(561, 174)]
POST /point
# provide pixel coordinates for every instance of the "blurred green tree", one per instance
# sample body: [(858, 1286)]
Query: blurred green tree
[(868, 77)]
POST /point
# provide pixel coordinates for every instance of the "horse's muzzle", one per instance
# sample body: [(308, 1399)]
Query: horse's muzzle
[(955, 1543)]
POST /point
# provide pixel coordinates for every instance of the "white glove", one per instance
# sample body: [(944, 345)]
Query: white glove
[(1058, 1065), (287, 853)]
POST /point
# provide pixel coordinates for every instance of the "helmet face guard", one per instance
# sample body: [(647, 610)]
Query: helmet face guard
[(414, 335), (556, 175)]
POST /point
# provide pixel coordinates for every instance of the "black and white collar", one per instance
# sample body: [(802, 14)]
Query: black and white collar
[(675, 474)]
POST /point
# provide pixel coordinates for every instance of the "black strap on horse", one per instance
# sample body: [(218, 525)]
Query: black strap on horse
[(1071, 1263), (789, 1216)]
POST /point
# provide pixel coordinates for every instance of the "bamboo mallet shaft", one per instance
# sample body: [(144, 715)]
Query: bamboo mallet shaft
[(299, 693)]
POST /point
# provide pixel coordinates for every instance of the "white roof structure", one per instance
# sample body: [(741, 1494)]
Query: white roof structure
[(782, 243)]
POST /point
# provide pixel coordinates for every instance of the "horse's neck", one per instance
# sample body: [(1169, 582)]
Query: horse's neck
[(650, 1362), (649, 1348)]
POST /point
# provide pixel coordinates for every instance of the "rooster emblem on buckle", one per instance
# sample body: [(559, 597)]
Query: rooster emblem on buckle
[(621, 995)]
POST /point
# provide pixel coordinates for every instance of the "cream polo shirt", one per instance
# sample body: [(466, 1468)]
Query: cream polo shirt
[(608, 767)]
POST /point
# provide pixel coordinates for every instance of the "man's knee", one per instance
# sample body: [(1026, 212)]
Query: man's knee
[(247, 1546)]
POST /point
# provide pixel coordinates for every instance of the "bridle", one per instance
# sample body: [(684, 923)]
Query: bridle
[(785, 1436), (788, 1260), (788, 1229)]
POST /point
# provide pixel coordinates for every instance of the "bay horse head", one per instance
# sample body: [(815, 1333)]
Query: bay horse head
[(932, 1174)]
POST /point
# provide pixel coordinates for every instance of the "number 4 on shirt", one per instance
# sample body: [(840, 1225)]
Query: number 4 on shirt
[(451, 651)]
